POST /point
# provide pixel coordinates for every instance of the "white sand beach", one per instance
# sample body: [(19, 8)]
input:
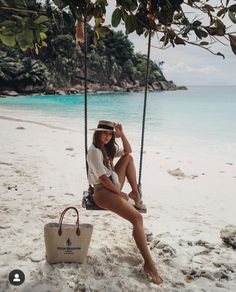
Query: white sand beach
[(188, 187)]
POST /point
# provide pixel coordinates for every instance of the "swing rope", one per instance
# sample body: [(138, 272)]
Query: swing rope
[(85, 94), (144, 112), (86, 104)]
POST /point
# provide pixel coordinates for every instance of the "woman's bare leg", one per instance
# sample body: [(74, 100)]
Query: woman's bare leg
[(120, 206), (125, 168)]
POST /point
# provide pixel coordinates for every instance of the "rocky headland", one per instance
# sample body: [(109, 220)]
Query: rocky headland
[(92, 88)]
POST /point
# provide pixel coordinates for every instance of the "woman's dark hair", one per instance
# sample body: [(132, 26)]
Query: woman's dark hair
[(110, 149)]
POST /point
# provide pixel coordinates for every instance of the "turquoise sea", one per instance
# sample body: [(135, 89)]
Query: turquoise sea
[(200, 112)]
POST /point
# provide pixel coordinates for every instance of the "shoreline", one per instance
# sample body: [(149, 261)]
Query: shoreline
[(92, 89)]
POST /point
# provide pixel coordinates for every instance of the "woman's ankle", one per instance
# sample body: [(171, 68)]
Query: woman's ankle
[(149, 263)]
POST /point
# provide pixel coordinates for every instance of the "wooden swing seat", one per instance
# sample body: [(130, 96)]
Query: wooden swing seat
[(89, 204)]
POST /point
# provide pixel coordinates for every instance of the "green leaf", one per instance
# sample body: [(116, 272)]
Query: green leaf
[(211, 30), (8, 40), (197, 23), (103, 31), (220, 27), (132, 4), (200, 33), (222, 11), (203, 33), (116, 17), (99, 21), (95, 38), (43, 36), (232, 39), (162, 39), (69, 22), (41, 19), (208, 8), (44, 44), (124, 14), (36, 49), (179, 41), (131, 23), (139, 29), (43, 28), (25, 38), (37, 36), (178, 16), (232, 13), (8, 24), (204, 43), (127, 4)]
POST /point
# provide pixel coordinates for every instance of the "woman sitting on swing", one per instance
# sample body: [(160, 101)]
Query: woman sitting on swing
[(108, 181)]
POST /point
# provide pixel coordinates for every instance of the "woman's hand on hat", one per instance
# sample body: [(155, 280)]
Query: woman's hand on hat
[(119, 130)]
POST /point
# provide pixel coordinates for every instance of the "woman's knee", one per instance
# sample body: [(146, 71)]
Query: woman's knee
[(137, 218), (128, 157)]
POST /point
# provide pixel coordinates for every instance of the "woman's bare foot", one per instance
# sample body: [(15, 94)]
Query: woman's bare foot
[(152, 273), (136, 197)]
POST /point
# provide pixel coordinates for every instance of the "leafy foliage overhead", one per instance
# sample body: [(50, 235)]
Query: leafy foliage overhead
[(23, 23), (177, 22), (61, 63)]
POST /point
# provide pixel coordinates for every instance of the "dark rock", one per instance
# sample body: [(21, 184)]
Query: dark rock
[(181, 87), (136, 83), (156, 85), (30, 89), (50, 91), (113, 81), (116, 88), (123, 86), (191, 272), (72, 91), (228, 235), (164, 250), (205, 244), (60, 92), (10, 93), (165, 85), (220, 284)]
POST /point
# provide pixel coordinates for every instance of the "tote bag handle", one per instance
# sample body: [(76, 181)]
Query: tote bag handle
[(61, 219)]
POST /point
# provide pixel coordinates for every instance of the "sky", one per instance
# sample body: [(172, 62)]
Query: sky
[(188, 65)]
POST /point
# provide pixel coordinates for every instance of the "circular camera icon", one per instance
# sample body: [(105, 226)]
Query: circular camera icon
[(16, 277)]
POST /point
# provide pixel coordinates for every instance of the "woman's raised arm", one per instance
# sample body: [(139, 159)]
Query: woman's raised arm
[(120, 134)]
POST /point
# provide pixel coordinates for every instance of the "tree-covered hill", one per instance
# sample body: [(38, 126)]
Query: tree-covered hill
[(112, 63)]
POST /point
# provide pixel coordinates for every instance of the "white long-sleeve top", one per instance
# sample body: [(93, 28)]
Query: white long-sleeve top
[(96, 167)]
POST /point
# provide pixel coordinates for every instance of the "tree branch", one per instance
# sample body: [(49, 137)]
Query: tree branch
[(19, 10), (191, 43)]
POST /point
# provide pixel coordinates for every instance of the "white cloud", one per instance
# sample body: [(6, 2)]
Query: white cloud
[(183, 67), (189, 64), (203, 74)]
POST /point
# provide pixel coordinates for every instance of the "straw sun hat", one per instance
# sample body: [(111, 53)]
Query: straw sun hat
[(105, 126)]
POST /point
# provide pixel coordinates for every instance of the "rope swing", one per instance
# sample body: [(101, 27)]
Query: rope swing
[(88, 201), (144, 113), (85, 95)]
